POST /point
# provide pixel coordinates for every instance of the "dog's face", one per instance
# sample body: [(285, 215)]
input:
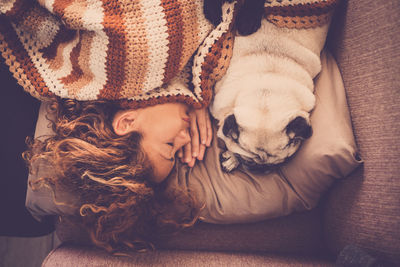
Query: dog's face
[(267, 119)]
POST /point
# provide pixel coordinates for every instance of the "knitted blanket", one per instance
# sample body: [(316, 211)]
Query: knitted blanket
[(138, 53)]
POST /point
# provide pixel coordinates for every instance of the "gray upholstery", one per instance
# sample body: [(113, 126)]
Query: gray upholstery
[(363, 209)]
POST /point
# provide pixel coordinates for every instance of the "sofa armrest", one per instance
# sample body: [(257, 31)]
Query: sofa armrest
[(365, 208)]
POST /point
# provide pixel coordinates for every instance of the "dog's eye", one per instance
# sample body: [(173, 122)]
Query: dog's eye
[(231, 128)]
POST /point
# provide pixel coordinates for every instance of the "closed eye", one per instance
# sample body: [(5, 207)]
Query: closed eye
[(170, 144)]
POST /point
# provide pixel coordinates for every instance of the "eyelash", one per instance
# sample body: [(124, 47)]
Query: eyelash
[(171, 145)]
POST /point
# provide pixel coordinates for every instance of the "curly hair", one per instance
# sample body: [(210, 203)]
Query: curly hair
[(110, 178)]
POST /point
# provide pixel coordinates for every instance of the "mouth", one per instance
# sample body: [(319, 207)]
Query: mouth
[(256, 167), (253, 166)]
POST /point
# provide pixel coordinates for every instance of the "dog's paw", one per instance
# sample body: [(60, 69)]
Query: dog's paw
[(249, 17), (228, 161)]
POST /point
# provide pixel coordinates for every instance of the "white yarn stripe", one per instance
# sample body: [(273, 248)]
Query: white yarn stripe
[(157, 36), (208, 42), (42, 67), (47, 4), (92, 19), (46, 32), (204, 25), (6, 6)]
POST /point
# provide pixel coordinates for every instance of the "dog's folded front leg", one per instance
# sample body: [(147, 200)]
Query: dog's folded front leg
[(228, 161)]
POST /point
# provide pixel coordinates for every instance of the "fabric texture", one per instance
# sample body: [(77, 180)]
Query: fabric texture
[(67, 255), (139, 53), (299, 233), (299, 14), (90, 50), (364, 209), (297, 185)]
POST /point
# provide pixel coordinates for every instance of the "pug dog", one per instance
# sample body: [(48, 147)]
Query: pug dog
[(264, 100)]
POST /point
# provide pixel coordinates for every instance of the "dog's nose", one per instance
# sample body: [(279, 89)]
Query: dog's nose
[(299, 127), (231, 128)]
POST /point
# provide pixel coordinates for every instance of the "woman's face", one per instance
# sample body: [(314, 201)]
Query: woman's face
[(165, 130)]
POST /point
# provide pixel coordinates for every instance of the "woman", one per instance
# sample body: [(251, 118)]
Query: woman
[(114, 162)]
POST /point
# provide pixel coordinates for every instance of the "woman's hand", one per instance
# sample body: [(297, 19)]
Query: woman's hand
[(201, 136)]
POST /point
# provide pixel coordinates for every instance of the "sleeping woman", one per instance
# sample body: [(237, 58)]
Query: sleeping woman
[(113, 163)]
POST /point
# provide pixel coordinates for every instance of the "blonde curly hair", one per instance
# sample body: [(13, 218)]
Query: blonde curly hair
[(110, 178)]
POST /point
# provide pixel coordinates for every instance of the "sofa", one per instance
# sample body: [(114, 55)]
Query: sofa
[(357, 222)]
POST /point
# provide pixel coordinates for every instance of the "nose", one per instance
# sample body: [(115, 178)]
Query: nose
[(183, 138), (300, 128)]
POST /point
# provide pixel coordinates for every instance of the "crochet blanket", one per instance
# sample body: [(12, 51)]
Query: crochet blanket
[(138, 53)]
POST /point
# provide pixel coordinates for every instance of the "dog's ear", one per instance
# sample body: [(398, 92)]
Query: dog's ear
[(300, 128), (231, 128), (213, 11), (249, 17)]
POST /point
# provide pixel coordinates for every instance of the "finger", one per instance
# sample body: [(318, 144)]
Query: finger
[(202, 124), (187, 155), (194, 134), (209, 130), (192, 162), (202, 150)]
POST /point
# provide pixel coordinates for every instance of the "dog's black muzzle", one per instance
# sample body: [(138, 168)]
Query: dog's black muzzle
[(256, 167)]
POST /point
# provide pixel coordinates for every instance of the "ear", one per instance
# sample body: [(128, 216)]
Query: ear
[(124, 121)]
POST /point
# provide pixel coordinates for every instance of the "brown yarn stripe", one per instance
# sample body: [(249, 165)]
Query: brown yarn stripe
[(33, 19), (304, 22), (62, 38), (116, 51), (215, 64), (25, 63), (190, 31), (159, 100), (76, 69), (173, 14), (300, 10), (83, 62), (137, 60)]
